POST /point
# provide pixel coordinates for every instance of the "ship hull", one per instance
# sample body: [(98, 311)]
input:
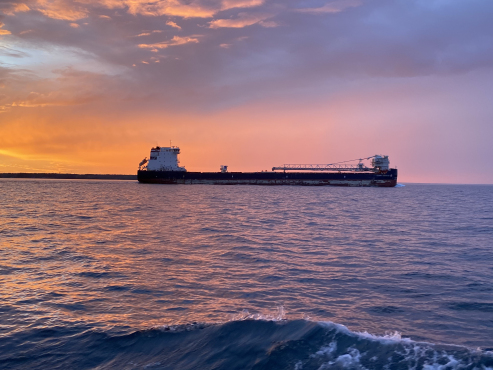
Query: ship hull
[(384, 179)]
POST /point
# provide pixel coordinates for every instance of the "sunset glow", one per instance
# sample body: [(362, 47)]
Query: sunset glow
[(89, 86)]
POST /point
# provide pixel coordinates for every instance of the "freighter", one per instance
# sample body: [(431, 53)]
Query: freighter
[(162, 167)]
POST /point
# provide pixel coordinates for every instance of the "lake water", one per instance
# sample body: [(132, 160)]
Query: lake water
[(117, 274)]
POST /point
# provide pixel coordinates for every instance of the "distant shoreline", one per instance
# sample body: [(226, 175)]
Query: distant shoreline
[(69, 176)]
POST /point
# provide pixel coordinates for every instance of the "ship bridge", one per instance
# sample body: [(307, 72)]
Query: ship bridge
[(162, 159)]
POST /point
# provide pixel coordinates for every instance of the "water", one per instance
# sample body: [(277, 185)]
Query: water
[(116, 274)]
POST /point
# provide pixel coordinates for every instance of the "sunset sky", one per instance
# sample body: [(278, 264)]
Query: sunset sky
[(89, 86)]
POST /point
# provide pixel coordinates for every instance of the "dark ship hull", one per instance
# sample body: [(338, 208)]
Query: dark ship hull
[(379, 179)]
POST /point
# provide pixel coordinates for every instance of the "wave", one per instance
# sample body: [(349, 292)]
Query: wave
[(246, 342)]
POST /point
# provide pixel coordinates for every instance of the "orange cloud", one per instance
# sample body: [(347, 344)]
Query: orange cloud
[(172, 8), (176, 40), (61, 9), (180, 8), (3, 32), (16, 9), (75, 10), (243, 20), (147, 33), (173, 24)]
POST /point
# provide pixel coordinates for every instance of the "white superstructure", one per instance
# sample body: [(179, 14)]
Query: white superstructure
[(381, 162), (163, 159)]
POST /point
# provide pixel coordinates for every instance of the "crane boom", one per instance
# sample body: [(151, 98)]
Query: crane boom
[(379, 163), (320, 167)]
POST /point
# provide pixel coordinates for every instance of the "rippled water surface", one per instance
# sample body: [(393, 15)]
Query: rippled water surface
[(93, 270)]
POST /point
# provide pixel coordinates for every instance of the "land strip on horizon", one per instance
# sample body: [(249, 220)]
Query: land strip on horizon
[(66, 176)]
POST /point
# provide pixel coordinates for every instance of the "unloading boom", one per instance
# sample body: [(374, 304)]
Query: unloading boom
[(320, 167), (379, 163)]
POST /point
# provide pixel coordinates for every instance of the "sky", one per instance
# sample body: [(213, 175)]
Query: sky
[(90, 86)]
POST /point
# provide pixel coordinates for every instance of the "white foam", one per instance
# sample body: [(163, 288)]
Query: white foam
[(326, 350), (452, 364), (298, 365), (399, 186), (350, 359), (390, 337), (246, 315)]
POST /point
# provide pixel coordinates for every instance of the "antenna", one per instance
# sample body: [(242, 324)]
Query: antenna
[(170, 143)]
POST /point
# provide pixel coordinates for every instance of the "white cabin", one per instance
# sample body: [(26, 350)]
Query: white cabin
[(381, 162), (164, 159)]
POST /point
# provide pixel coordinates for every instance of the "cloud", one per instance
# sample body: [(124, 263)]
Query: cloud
[(170, 8), (269, 24), (61, 9), (179, 8), (10, 52), (13, 8), (148, 33), (176, 40), (75, 10), (242, 20), (380, 39), (3, 32), (231, 4), (335, 6), (173, 24)]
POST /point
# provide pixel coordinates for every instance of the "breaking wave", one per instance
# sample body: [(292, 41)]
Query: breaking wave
[(246, 342)]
